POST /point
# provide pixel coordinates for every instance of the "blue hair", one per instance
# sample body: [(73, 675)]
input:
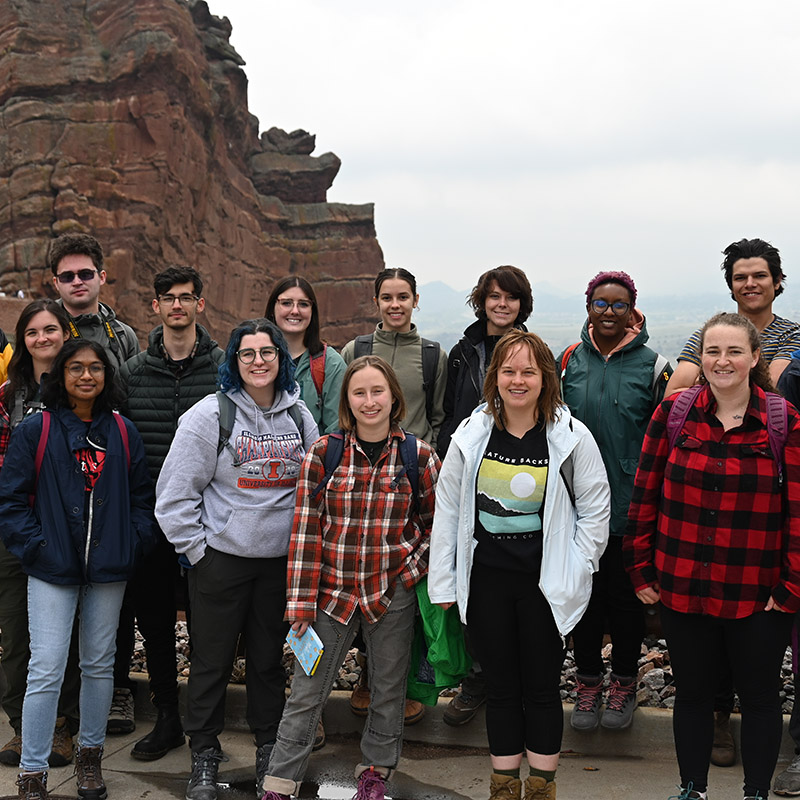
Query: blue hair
[(229, 377)]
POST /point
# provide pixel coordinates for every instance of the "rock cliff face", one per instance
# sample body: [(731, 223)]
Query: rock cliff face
[(128, 119)]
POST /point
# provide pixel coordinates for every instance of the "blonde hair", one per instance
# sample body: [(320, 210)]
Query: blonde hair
[(347, 422)]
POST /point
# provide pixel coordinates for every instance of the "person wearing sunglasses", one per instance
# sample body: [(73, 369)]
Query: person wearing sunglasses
[(612, 382), (76, 261), (226, 503)]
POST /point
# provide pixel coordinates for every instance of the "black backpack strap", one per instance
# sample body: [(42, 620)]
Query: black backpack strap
[(227, 412), (430, 362), (363, 345), (333, 457), (297, 417), (410, 459)]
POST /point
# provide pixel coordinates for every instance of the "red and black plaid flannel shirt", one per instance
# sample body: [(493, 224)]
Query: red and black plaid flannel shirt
[(709, 522), (357, 538)]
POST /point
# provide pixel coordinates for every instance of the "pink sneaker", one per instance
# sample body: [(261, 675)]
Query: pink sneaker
[(371, 786), (274, 796)]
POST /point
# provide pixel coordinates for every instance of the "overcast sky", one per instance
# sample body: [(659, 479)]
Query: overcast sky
[(563, 138)]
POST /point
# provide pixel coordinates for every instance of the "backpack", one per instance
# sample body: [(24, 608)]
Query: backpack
[(408, 455), (317, 367), (227, 412), (430, 362), (777, 422), (42, 446)]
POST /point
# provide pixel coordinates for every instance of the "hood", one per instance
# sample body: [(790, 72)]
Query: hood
[(259, 420), (635, 334)]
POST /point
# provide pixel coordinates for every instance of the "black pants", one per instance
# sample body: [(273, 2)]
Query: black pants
[(229, 596), (753, 647), (521, 653), (613, 599), (150, 599)]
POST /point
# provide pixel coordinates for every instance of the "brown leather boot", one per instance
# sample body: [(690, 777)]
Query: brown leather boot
[(723, 751), (32, 786), (504, 787), (91, 785), (537, 788), (62, 751)]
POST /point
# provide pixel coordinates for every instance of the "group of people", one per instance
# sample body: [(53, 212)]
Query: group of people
[(283, 485)]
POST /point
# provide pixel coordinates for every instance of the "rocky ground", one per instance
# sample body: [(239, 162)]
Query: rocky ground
[(656, 685)]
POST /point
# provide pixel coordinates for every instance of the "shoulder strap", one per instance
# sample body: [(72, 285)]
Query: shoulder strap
[(18, 412), (430, 361), (40, 448), (565, 358), (681, 406), (297, 418), (317, 367), (333, 457), (410, 459), (777, 428), (659, 369), (363, 345), (227, 412), (123, 432)]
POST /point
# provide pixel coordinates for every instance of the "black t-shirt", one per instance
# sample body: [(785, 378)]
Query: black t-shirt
[(372, 450), (510, 495)]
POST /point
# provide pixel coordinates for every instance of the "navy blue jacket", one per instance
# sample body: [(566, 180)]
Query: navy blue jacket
[(63, 539)]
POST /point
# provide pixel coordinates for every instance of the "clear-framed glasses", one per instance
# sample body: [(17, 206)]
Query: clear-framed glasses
[(619, 308), (288, 305), (248, 354), (183, 299), (76, 369), (68, 276)]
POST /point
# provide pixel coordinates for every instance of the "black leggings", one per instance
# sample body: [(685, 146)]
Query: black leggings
[(753, 647), (521, 653)]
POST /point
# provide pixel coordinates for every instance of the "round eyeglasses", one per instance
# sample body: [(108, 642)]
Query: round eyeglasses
[(619, 308), (76, 370), (248, 355)]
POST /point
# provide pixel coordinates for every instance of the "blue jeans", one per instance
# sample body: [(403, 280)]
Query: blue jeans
[(51, 613), (388, 644)]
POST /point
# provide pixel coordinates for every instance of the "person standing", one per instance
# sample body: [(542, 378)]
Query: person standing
[(178, 369), (612, 381), (714, 535), (76, 508), (522, 508)]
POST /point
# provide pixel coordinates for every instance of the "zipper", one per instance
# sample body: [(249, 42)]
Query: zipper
[(89, 532)]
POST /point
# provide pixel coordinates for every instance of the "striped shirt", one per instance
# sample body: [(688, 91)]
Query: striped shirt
[(360, 535), (778, 340), (709, 521)]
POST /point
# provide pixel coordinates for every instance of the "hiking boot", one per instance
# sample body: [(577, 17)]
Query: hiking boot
[(462, 708), (589, 693), (539, 788), (319, 738), (263, 752), (371, 786), (62, 751), (165, 736), (788, 782), (203, 780), (414, 712), (359, 699), (32, 786), (11, 752), (504, 787), (620, 703), (723, 750), (120, 715), (91, 785)]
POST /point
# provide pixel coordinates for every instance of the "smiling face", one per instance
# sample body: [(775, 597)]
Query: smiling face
[(44, 338), (370, 400), (519, 382), (292, 311), (727, 358), (258, 377), (80, 296), (395, 303), (752, 285), (84, 377), (175, 314), (608, 327), (502, 310)]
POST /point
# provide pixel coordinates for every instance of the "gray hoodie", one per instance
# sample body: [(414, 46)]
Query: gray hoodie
[(243, 509)]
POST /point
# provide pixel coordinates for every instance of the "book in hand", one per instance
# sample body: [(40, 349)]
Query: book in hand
[(307, 648)]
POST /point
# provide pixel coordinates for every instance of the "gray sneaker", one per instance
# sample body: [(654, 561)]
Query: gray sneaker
[(788, 782), (620, 703), (203, 780), (586, 713)]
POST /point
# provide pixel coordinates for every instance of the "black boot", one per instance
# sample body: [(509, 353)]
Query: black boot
[(165, 736)]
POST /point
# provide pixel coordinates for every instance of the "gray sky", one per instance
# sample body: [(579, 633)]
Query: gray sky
[(563, 138)]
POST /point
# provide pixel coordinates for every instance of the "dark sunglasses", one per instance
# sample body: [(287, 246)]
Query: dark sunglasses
[(68, 276)]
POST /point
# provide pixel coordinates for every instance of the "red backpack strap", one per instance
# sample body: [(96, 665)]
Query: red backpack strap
[(678, 412), (565, 358), (40, 448), (318, 369), (123, 432)]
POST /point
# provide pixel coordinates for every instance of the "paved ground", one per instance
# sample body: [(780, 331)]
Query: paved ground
[(438, 762)]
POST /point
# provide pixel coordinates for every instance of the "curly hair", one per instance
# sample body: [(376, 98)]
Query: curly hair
[(74, 244), (229, 375), (753, 248), (622, 278), (510, 279)]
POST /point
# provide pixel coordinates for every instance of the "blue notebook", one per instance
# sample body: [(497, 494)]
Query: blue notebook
[(307, 649)]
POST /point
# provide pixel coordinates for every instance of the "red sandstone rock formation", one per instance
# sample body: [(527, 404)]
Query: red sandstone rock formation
[(128, 119)]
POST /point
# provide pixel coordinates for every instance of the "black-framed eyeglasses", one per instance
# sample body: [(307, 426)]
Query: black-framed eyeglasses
[(68, 276), (76, 370), (183, 299), (248, 355), (619, 308)]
